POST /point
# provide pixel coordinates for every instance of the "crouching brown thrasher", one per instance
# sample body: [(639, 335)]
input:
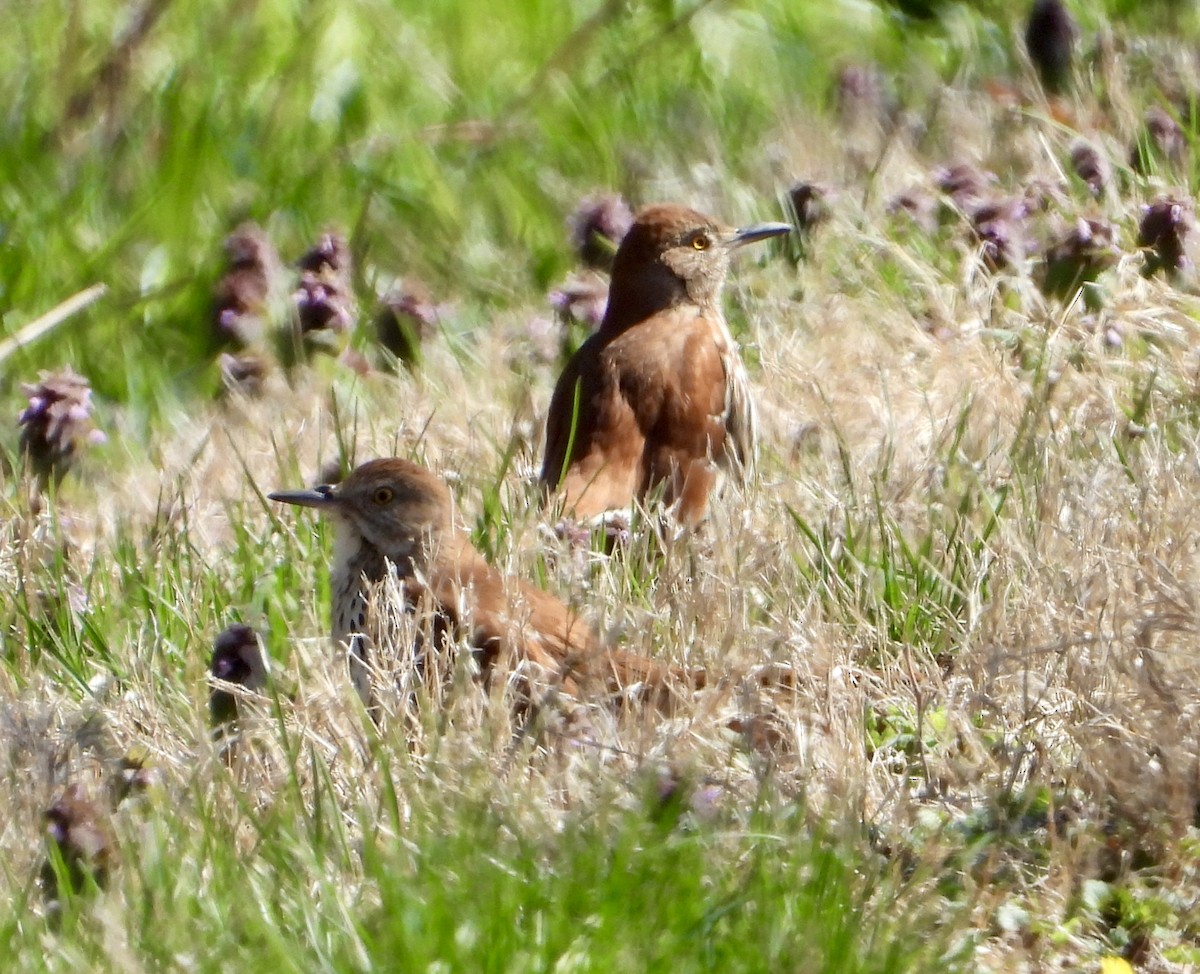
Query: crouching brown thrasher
[(394, 518)]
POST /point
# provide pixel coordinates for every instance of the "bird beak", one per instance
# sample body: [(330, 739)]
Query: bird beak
[(321, 497), (752, 234)]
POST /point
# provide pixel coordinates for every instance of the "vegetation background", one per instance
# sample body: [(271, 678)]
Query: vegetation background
[(973, 536)]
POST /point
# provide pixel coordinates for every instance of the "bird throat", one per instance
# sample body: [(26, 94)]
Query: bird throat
[(356, 565), (359, 569)]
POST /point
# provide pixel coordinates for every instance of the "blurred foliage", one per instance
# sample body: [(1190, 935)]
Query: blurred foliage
[(448, 140)]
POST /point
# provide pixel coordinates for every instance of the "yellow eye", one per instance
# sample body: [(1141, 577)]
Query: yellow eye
[(383, 495), (701, 241)]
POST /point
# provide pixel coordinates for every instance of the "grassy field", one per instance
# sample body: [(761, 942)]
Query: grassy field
[(973, 534)]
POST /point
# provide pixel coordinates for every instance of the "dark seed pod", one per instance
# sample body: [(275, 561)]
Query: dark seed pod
[(811, 204), (1090, 166), (1050, 34), (1162, 142), (237, 658), (242, 297), (406, 320), (1078, 257), (324, 296), (597, 227), (999, 228), (56, 424), (81, 839), (1164, 231)]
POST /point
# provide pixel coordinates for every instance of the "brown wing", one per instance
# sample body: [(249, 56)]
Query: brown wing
[(514, 623), (594, 444), (564, 417), (509, 617), (553, 636)]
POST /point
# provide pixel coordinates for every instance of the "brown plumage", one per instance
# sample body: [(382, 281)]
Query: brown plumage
[(659, 395), (393, 516)]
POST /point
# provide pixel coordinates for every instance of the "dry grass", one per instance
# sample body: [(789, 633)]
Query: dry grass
[(973, 538)]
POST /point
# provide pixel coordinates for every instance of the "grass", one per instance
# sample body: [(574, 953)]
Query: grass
[(463, 886), (972, 536)]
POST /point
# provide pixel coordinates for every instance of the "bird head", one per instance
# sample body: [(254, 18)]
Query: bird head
[(673, 255), (397, 506)]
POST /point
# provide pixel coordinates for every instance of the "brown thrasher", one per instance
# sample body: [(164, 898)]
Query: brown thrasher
[(658, 395), (393, 517)]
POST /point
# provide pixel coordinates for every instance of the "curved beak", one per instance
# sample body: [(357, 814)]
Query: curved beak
[(756, 232), (322, 496)]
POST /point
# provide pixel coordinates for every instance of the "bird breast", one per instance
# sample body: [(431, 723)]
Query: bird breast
[(355, 562)]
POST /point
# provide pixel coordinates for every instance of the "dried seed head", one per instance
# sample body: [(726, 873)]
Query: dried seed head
[(1078, 257), (918, 205), (407, 319), (965, 184), (324, 296), (859, 94), (334, 471), (242, 297), (999, 228), (577, 534), (544, 336), (134, 774), (1090, 166), (597, 226), (56, 423), (1164, 231), (1042, 194), (245, 374), (237, 658), (1161, 142), (322, 305), (581, 299), (329, 255), (1050, 35), (82, 840), (811, 203)]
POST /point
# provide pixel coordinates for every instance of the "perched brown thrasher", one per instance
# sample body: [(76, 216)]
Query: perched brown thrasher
[(392, 516), (658, 395)]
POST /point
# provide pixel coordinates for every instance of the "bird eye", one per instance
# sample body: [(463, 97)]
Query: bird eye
[(701, 241), (383, 495)]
